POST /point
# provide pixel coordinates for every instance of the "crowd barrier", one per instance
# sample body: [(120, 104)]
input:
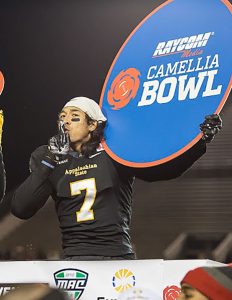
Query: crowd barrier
[(100, 280)]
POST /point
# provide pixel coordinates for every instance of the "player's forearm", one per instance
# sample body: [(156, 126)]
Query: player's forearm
[(173, 168), (187, 159), (2, 178), (30, 196)]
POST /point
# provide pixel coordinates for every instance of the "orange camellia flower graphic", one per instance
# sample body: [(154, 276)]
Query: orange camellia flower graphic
[(123, 88), (171, 292), (1, 82)]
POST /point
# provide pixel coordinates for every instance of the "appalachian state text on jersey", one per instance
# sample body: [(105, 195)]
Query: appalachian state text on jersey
[(92, 196), (93, 202)]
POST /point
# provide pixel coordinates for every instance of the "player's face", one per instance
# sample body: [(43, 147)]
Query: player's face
[(187, 292), (76, 126)]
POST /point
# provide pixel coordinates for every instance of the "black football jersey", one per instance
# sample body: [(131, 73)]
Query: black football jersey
[(93, 198)]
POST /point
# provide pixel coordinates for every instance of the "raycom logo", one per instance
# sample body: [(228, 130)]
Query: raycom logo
[(182, 44), (171, 292), (123, 280), (124, 88), (72, 281)]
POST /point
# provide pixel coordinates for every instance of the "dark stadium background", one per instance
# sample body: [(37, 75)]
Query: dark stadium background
[(53, 50)]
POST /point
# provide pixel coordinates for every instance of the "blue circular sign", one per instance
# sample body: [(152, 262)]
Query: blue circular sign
[(172, 71)]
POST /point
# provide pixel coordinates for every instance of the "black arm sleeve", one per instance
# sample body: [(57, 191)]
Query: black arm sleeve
[(2, 177), (32, 194), (173, 168)]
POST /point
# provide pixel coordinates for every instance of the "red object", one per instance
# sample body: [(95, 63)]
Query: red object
[(2, 82), (218, 287), (171, 292)]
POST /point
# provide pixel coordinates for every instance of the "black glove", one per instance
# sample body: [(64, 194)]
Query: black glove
[(210, 127), (58, 145)]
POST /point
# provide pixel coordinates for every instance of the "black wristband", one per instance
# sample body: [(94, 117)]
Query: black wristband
[(49, 160), (42, 162)]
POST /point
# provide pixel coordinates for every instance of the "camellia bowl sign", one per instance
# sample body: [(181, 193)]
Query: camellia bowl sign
[(172, 71)]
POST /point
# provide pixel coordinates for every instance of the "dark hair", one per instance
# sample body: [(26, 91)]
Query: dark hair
[(90, 147)]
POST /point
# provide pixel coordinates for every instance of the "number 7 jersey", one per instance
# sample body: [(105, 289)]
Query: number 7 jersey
[(93, 197)]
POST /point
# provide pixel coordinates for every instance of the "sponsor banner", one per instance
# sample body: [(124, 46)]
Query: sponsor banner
[(172, 71), (107, 280), (100, 280), (88, 280)]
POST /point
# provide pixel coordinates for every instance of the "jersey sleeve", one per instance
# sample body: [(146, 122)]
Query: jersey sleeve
[(173, 168), (41, 162), (32, 194)]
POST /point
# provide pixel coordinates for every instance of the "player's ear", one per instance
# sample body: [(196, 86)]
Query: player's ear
[(92, 126)]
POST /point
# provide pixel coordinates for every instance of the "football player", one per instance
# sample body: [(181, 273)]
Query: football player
[(92, 192)]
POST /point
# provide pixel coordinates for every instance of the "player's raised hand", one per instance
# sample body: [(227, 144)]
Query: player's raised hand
[(210, 127), (59, 144)]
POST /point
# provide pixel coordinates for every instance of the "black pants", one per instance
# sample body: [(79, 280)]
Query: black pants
[(98, 257)]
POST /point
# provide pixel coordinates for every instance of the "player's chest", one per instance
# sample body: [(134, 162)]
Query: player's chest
[(91, 176)]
